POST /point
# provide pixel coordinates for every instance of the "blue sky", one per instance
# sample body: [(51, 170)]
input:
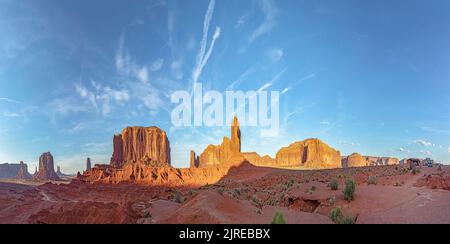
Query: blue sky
[(364, 76)]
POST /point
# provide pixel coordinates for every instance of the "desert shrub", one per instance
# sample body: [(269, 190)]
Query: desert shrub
[(313, 188), (403, 171), (349, 189), (146, 214), (415, 171), (271, 201), (278, 219), (287, 185), (439, 168), (236, 193), (338, 217), (177, 197), (256, 200), (347, 220), (220, 190), (192, 192), (372, 180), (334, 185)]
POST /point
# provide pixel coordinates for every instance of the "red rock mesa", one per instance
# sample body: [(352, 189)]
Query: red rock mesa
[(46, 168)]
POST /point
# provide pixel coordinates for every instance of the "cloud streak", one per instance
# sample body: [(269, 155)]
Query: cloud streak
[(203, 54), (270, 12), (9, 100), (424, 143)]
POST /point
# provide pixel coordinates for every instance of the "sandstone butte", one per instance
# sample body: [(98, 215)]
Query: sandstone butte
[(357, 160), (46, 168), (141, 145), (14, 171), (142, 155)]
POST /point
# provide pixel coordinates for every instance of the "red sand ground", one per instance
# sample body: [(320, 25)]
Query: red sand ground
[(245, 195)]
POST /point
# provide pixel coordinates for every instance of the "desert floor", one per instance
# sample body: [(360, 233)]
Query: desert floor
[(246, 195)]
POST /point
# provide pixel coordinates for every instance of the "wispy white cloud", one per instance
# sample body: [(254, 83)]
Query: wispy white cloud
[(265, 86), (434, 130), (11, 114), (142, 74), (275, 54), (310, 76), (325, 122), (449, 149), (241, 21), (424, 143), (101, 96), (9, 100), (203, 54), (270, 11), (274, 79), (177, 69), (425, 152), (67, 105), (241, 78), (401, 149), (157, 65)]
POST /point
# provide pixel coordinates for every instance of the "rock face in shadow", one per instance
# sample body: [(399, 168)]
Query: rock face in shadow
[(193, 160), (309, 154), (229, 150), (46, 168), (8, 170), (88, 164), (23, 172), (141, 145)]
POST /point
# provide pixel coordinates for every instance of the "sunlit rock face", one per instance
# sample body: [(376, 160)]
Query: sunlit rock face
[(141, 145), (309, 154), (227, 152)]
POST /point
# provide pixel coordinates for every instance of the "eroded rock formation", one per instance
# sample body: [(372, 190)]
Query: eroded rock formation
[(193, 160), (357, 160), (88, 164), (141, 145), (227, 152), (14, 171), (46, 168), (354, 160), (309, 154), (255, 159), (23, 172), (379, 161)]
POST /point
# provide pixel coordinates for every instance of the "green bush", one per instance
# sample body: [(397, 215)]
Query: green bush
[(177, 197), (192, 192), (338, 217), (349, 190), (347, 220), (334, 185), (372, 180), (278, 219)]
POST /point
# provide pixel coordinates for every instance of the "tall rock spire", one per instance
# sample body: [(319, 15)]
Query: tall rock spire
[(88, 164), (235, 135)]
